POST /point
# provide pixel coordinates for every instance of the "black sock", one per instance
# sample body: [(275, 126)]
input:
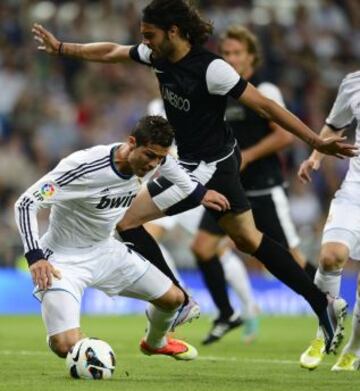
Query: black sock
[(283, 266), (310, 270), (143, 243), (214, 278)]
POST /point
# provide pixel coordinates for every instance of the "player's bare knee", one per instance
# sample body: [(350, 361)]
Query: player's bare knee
[(203, 250), (331, 259), (173, 299), (247, 241)]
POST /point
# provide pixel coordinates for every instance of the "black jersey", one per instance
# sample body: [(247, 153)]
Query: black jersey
[(194, 91), (249, 128)]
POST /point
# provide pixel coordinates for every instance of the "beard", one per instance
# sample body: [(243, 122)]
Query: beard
[(164, 50)]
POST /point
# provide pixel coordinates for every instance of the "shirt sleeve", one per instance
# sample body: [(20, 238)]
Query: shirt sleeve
[(272, 92), (141, 54), (178, 175), (222, 79), (340, 115), (49, 190)]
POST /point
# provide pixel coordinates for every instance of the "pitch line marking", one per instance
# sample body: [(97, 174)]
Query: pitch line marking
[(202, 358)]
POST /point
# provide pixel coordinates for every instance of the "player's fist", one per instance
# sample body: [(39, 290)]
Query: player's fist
[(46, 40), (42, 273), (306, 168), (214, 200)]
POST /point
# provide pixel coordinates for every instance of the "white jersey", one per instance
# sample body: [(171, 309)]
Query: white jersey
[(346, 108), (87, 196)]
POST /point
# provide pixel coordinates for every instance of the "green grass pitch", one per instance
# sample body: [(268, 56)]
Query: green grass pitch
[(269, 364)]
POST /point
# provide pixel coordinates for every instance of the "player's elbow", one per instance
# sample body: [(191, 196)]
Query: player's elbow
[(115, 53), (18, 204)]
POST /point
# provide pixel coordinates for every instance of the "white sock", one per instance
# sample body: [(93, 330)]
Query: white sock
[(171, 263), (354, 342), (237, 277), (327, 282), (158, 325)]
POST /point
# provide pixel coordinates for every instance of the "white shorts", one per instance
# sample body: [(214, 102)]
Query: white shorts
[(343, 222), (111, 268)]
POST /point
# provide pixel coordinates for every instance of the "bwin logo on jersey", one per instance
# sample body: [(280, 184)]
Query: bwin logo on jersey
[(116, 202), (175, 100)]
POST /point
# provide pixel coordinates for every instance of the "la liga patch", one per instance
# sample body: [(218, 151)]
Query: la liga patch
[(47, 190)]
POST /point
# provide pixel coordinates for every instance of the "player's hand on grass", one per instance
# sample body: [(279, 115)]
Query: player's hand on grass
[(306, 168), (214, 200), (46, 40), (42, 273), (336, 147)]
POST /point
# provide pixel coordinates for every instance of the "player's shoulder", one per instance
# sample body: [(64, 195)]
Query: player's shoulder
[(86, 159), (352, 76), (92, 154), (203, 56), (351, 81)]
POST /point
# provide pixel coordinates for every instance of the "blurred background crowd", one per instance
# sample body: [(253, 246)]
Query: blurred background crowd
[(52, 106)]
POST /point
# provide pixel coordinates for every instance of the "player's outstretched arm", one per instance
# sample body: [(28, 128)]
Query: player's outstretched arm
[(98, 51), (269, 109)]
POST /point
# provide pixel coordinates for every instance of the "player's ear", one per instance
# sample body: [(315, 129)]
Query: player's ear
[(173, 31), (132, 142)]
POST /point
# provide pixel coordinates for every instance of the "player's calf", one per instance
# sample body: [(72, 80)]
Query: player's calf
[(61, 343), (173, 299)]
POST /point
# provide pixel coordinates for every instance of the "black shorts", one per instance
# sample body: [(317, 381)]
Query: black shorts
[(271, 214), (222, 175)]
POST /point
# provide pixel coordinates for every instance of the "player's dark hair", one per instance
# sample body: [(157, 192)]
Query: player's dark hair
[(167, 13), (153, 129), (242, 34)]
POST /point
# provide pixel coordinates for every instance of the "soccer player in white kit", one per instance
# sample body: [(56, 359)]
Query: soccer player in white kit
[(88, 192), (341, 234)]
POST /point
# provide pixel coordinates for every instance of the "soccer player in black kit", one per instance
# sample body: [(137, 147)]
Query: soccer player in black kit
[(261, 175), (195, 84)]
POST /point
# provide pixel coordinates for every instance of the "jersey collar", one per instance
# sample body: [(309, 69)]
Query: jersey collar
[(113, 166)]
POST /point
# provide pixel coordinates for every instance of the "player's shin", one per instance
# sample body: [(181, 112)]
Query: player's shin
[(159, 323)]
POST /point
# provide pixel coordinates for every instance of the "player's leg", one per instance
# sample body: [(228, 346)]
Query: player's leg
[(339, 242), (333, 256), (157, 229), (205, 248), (272, 217), (237, 277), (144, 244), (61, 316), (242, 230), (349, 360), (166, 299), (60, 304), (141, 241)]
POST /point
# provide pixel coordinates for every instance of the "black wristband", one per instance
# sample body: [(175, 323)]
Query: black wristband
[(199, 193), (60, 49), (33, 256)]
